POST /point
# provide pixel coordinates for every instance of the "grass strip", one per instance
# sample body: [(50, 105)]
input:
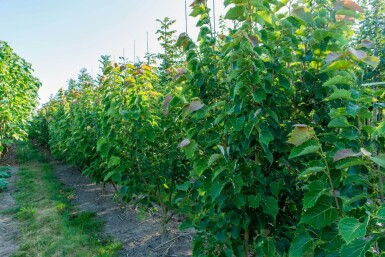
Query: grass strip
[(50, 225)]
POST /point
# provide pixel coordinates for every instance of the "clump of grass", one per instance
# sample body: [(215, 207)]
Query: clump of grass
[(49, 226)]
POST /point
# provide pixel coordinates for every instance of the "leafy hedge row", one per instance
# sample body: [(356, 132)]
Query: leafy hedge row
[(18, 95), (266, 138)]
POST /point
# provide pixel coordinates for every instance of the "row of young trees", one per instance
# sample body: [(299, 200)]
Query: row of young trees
[(18, 96), (266, 136)]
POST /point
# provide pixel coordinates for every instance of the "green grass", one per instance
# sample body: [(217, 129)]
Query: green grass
[(50, 225)]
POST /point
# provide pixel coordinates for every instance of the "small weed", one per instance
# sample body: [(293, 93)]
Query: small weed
[(25, 213)]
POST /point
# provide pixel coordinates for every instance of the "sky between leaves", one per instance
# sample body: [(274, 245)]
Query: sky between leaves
[(59, 37)]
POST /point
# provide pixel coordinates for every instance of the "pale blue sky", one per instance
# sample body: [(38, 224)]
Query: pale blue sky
[(59, 37)]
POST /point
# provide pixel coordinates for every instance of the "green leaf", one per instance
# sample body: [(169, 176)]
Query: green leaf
[(380, 130), (276, 187), (270, 206), (339, 65), (109, 175), (300, 134), (190, 149), (350, 228), (302, 245), (237, 183), (254, 200), (322, 214), (311, 170), (248, 129), (103, 147), (346, 163), (303, 14), (380, 160), (113, 161), (237, 123), (213, 159), (235, 13), (216, 189), (340, 122), (381, 214), (338, 80), (269, 247), (308, 147), (340, 94), (265, 137), (372, 61), (357, 248), (316, 190), (259, 95)]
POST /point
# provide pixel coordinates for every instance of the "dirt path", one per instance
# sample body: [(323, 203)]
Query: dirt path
[(8, 226), (140, 238)]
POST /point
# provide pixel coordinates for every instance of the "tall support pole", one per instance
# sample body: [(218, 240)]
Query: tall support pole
[(185, 13), (148, 52), (134, 52), (214, 18)]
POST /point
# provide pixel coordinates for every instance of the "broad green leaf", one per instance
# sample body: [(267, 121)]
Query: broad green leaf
[(259, 95), (303, 14), (113, 161), (346, 163), (265, 137), (357, 248), (338, 80), (311, 170), (316, 190), (270, 206), (340, 122), (300, 134), (381, 214), (350, 228), (237, 183), (254, 200), (248, 129), (322, 214), (308, 147), (109, 175), (269, 247), (380, 130), (276, 187), (237, 123), (340, 94), (380, 160), (216, 189), (103, 147), (235, 13), (190, 149), (214, 158), (372, 61), (339, 65), (302, 245)]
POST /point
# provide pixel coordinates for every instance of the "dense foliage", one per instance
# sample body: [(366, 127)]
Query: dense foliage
[(18, 95), (265, 136)]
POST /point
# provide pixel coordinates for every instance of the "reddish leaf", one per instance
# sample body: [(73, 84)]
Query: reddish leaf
[(359, 54), (332, 57), (181, 71), (166, 103), (352, 5), (367, 43), (195, 106), (184, 143), (344, 153)]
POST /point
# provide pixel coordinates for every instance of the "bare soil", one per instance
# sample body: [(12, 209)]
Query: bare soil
[(140, 237), (8, 225)]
